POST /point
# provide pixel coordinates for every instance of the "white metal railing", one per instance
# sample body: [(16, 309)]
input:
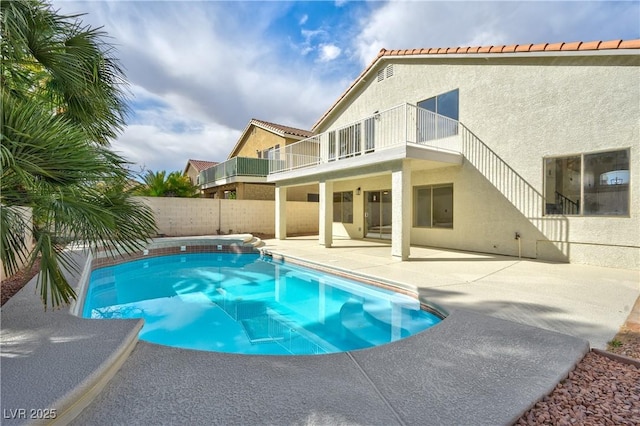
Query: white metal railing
[(396, 126)]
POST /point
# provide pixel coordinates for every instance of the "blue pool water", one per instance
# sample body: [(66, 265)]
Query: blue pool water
[(249, 304)]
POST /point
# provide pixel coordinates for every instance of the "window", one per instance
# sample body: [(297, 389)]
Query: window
[(444, 124), (588, 184), (349, 141), (445, 104), (343, 207), (332, 146), (562, 186), (433, 206), (272, 153)]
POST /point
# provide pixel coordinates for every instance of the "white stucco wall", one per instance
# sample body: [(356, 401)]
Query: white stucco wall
[(208, 216), (519, 111)]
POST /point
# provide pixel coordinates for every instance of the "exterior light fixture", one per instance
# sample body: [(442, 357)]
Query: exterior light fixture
[(358, 191)]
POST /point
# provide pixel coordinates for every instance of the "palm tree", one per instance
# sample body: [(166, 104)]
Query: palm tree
[(159, 184), (62, 102)]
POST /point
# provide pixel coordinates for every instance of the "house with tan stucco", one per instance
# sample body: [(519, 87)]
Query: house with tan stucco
[(243, 175), (521, 150), (193, 169)]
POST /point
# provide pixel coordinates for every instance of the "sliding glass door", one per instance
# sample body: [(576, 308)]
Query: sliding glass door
[(378, 214)]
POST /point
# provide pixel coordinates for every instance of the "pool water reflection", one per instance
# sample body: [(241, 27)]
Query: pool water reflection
[(250, 304)]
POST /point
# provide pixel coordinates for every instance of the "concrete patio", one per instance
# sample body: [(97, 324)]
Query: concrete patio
[(516, 328)]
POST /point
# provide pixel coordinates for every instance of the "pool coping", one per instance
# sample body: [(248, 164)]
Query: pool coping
[(562, 352)]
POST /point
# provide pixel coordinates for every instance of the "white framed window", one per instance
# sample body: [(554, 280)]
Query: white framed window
[(343, 207), (588, 184), (433, 206)]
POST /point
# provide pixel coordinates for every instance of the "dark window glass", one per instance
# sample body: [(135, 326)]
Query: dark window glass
[(433, 206), (347, 207), (422, 207), (443, 207), (606, 183), (428, 104), (448, 104), (343, 207), (589, 184), (562, 185), (337, 206)]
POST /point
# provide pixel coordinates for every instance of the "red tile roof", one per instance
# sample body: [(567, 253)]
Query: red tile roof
[(541, 47), (284, 130), (489, 50), (199, 165)]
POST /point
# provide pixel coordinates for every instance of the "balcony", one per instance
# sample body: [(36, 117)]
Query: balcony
[(237, 169), (405, 131)]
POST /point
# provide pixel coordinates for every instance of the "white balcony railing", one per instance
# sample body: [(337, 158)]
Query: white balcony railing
[(396, 126)]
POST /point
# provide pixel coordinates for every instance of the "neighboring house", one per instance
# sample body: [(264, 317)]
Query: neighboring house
[(244, 174), (528, 150), (194, 167)]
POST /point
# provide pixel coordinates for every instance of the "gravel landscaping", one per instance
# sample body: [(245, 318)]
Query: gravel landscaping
[(600, 391)]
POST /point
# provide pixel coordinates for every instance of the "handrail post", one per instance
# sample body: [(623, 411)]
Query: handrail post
[(406, 123)]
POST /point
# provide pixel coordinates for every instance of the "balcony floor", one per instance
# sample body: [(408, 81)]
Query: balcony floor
[(371, 163)]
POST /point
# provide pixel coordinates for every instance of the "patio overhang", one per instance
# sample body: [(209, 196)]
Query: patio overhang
[(373, 163)]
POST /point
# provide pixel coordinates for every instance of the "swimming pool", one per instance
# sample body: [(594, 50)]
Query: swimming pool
[(251, 304)]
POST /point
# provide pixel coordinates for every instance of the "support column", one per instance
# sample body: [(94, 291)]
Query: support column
[(326, 213), (401, 211), (281, 212), (240, 191)]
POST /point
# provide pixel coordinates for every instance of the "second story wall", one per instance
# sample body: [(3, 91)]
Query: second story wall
[(258, 140)]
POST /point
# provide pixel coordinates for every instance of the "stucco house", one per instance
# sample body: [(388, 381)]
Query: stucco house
[(193, 169), (244, 174), (522, 150)]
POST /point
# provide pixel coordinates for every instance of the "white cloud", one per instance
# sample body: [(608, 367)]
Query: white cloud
[(406, 25), (156, 149), (208, 71), (303, 19), (328, 52)]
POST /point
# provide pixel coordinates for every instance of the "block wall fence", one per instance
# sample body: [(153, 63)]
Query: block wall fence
[(177, 217)]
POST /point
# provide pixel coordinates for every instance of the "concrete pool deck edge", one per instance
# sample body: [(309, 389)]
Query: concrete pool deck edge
[(469, 369), (79, 398)]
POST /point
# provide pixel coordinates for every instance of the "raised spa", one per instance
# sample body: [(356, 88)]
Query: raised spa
[(251, 304)]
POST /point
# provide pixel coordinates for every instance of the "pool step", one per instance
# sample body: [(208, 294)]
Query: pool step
[(380, 312), (358, 326), (255, 242)]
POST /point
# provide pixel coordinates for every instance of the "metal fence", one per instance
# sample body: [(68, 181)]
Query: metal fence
[(237, 166), (396, 126)]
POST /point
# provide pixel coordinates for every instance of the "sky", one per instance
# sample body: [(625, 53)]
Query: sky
[(199, 71)]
